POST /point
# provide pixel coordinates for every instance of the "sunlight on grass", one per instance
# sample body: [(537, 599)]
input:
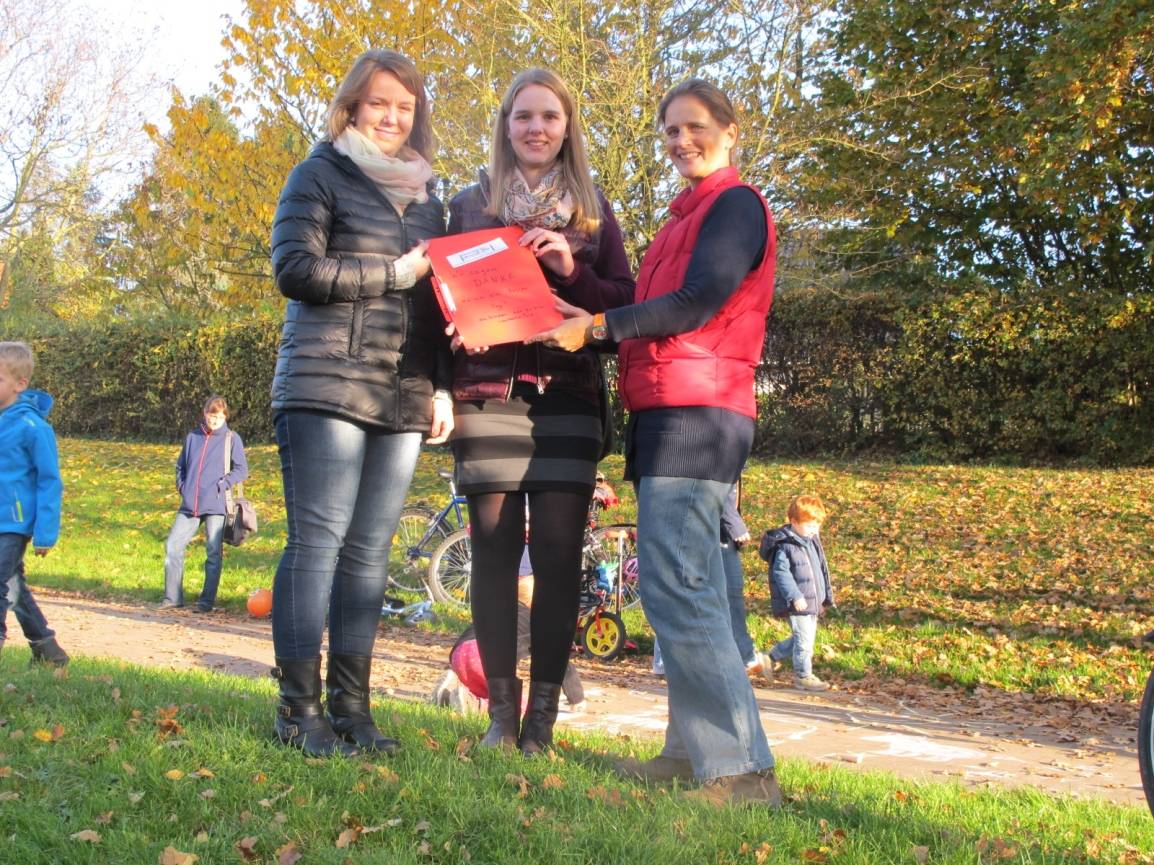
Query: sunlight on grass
[(1034, 580), (113, 763)]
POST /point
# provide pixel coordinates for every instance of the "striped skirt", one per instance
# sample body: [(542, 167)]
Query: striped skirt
[(533, 442)]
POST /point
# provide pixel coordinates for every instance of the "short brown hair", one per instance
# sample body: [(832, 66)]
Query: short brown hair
[(802, 509), (215, 404), (356, 81), (709, 95), (17, 357)]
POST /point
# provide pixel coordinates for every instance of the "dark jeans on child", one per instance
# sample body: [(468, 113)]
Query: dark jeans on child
[(15, 594)]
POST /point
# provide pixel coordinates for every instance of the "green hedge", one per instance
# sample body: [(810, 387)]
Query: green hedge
[(970, 374), (147, 381)]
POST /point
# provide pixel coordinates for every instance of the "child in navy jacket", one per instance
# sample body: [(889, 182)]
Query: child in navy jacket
[(799, 586), (202, 479)]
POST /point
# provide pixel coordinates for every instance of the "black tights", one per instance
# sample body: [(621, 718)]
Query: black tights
[(556, 533)]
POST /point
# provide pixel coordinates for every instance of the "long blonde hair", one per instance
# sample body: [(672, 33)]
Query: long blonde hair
[(356, 82), (575, 171)]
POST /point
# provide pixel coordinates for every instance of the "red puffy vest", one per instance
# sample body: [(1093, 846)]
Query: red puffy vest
[(713, 365)]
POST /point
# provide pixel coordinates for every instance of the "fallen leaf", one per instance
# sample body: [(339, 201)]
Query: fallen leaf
[(821, 855), (43, 735), (172, 856), (347, 837), (519, 781), (920, 854), (288, 854), (553, 782), (204, 773), (174, 774), (135, 797), (430, 743), (208, 794), (105, 818), (422, 827), (9, 796), (86, 835), (128, 768), (202, 837), (246, 847)]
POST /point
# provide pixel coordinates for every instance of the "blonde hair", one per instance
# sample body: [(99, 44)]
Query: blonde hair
[(351, 91), (802, 509), (17, 358), (575, 172)]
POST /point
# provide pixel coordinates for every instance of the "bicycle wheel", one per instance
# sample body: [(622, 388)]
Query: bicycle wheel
[(419, 532), (604, 636), (451, 569), (617, 545), (1146, 742)]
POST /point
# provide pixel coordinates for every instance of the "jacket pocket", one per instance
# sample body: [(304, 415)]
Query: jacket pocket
[(356, 328)]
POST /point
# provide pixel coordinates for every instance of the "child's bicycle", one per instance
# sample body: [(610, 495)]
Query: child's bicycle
[(451, 567), (1146, 737), (600, 628), (420, 530)]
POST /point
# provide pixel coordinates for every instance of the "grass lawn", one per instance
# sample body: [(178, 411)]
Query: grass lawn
[(1021, 580), (109, 763)]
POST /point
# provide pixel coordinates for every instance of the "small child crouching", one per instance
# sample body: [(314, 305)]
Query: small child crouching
[(799, 585)]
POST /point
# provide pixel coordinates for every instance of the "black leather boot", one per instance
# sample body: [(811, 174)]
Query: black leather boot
[(48, 652), (347, 709), (540, 716), (300, 721), (504, 713)]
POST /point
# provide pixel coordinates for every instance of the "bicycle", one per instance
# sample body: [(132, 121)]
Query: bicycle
[(420, 531), (451, 566), (1146, 736)]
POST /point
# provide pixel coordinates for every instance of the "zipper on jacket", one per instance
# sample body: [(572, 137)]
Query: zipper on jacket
[(540, 378), (199, 472), (405, 336), (512, 373)]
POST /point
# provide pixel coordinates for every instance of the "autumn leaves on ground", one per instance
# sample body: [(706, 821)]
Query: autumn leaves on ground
[(1022, 589)]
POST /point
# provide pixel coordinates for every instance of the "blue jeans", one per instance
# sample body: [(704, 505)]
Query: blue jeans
[(735, 594), (713, 717), (798, 645), (15, 594), (184, 529), (344, 487)]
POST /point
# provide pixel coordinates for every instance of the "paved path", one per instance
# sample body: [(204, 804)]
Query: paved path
[(976, 738)]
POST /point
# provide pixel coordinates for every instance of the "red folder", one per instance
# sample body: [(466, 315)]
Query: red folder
[(491, 288)]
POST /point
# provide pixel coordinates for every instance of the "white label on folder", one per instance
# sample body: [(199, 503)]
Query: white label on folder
[(476, 253)]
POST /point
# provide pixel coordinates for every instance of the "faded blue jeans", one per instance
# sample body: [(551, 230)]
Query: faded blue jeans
[(713, 716), (344, 487), (798, 646), (184, 529), (15, 594)]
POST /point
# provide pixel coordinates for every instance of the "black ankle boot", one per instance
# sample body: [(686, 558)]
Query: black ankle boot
[(504, 713), (347, 709), (540, 716), (300, 722), (48, 652)]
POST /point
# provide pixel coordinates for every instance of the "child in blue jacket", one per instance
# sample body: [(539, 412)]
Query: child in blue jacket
[(202, 479), (799, 586), (30, 494)]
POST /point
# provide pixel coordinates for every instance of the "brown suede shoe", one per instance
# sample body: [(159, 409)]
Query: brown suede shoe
[(659, 770), (752, 788)]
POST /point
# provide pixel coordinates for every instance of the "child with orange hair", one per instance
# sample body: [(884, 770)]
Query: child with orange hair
[(799, 586)]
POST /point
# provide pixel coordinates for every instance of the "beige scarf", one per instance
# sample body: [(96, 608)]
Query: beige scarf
[(548, 205), (402, 180)]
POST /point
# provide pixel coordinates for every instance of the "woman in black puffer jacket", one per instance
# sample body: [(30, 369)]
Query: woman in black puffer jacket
[(362, 372)]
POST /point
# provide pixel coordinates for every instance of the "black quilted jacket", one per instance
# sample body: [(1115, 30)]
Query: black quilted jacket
[(352, 345)]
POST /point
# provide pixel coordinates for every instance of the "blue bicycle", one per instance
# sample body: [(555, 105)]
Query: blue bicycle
[(420, 530)]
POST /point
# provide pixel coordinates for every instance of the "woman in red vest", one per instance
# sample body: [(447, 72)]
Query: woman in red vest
[(688, 346)]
